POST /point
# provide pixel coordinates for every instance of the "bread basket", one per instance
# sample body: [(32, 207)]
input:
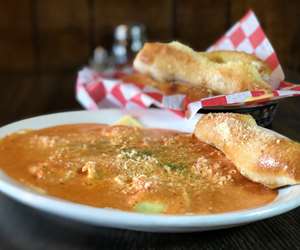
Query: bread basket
[(262, 113)]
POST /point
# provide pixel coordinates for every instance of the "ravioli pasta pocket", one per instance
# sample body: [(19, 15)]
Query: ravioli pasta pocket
[(130, 168)]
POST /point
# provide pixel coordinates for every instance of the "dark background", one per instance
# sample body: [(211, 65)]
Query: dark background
[(44, 42), (55, 36)]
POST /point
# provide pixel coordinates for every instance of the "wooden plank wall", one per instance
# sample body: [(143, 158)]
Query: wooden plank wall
[(44, 42), (59, 35)]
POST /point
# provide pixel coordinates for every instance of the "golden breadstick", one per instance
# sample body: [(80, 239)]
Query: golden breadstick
[(223, 72), (169, 88), (258, 153)]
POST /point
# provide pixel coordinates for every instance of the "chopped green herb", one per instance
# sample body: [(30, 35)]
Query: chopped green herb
[(144, 152), (173, 166), (132, 152)]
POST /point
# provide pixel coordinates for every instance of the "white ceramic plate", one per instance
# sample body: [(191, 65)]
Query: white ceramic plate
[(288, 198)]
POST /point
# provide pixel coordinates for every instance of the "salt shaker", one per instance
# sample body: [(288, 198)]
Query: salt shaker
[(100, 59), (128, 40)]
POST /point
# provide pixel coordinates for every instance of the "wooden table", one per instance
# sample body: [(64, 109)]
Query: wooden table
[(25, 228)]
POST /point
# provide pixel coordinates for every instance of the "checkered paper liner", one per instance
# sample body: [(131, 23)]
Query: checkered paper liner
[(95, 90)]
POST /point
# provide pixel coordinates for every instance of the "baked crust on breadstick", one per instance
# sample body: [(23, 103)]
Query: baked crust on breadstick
[(258, 153), (169, 88), (223, 72)]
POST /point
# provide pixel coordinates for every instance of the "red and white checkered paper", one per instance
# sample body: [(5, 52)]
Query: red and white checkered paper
[(95, 90)]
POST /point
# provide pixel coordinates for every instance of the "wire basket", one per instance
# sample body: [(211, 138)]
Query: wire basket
[(262, 113)]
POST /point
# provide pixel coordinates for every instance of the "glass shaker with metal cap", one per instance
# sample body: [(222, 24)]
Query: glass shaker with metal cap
[(128, 40), (138, 38)]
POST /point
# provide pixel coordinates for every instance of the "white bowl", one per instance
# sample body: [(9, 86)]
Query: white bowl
[(288, 198)]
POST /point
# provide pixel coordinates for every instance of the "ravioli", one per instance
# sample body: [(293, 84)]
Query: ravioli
[(129, 168)]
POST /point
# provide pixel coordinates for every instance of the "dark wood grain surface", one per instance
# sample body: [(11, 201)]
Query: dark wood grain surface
[(25, 228), (57, 35)]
